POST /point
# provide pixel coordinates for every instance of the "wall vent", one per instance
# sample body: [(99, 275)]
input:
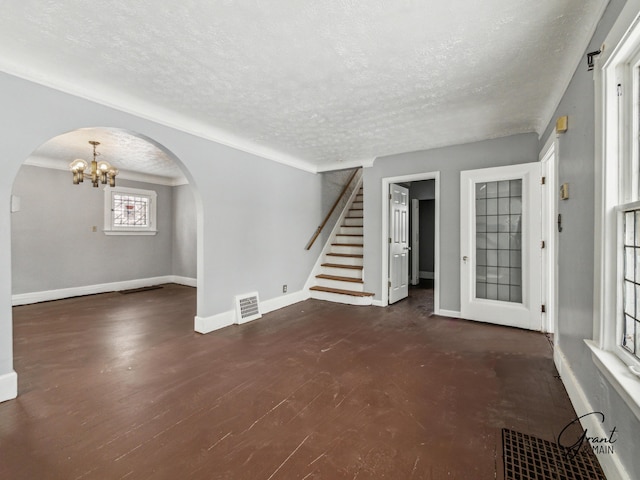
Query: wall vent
[(247, 307)]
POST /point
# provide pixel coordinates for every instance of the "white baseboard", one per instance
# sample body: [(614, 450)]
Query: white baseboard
[(228, 318), (448, 313), (47, 295), (8, 386), (427, 275), (377, 303), (609, 462), (186, 281), (283, 301), (214, 322)]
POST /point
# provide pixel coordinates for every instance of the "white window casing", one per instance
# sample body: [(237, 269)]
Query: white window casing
[(130, 211), (617, 89)]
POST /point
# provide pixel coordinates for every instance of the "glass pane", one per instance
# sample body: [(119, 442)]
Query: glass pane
[(628, 340), (492, 189), (498, 241), (629, 298), (492, 258), (629, 228), (503, 188)]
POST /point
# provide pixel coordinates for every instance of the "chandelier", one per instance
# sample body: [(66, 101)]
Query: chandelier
[(101, 172)]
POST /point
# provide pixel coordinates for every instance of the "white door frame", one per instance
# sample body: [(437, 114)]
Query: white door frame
[(548, 158), (386, 182)]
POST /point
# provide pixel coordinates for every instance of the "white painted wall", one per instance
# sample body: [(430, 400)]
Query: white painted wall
[(254, 216)]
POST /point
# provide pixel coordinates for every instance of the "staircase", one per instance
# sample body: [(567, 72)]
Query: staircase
[(341, 273)]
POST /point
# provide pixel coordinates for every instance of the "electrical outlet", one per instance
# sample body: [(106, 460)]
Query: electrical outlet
[(284, 289)]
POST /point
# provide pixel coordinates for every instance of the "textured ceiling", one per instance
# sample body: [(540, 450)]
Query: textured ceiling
[(125, 151), (316, 84)]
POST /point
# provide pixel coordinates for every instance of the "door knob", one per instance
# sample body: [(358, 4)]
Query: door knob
[(465, 258)]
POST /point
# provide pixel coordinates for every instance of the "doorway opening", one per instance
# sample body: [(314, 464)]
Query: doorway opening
[(63, 244), (422, 239)]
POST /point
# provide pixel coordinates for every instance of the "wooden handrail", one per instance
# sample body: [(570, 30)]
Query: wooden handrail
[(326, 219)]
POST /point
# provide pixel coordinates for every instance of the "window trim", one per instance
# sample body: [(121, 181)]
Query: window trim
[(613, 183), (111, 229)]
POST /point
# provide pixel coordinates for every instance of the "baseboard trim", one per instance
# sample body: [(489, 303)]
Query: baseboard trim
[(377, 303), (48, 295), (214, 322), (283, 301), (228, 318), (8, 386), (610, 462), (186, 281), (448, 313)]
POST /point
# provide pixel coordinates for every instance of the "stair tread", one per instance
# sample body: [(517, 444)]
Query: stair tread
[(342, 292), (349, 255), (339, 278), (349, 235), (348, 244), (338, 265)]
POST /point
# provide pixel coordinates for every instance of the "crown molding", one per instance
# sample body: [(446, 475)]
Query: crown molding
[(134, 106)]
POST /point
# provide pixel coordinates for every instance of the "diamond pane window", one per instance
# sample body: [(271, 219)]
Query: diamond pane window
[(631, 283), (130, 211)]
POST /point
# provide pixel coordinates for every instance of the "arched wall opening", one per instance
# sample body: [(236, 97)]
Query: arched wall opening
[(58, 245)]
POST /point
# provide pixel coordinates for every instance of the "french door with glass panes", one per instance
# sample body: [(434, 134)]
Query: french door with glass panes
[(500, 247)]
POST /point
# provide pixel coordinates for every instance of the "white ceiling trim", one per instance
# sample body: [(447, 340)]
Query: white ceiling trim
[(134, 106), (43, 162)]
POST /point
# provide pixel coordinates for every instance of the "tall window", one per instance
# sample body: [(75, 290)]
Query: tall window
[(620, 229), (130, 211)]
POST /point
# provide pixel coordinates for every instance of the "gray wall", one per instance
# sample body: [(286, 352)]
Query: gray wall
[(184, 254), (576, 165), (53, 246), (254, 215), (449, 161)]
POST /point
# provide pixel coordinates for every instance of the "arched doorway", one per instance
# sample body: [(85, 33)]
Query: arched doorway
[(61, 246)]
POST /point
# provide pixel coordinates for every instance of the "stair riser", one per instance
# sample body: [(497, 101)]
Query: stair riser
[(354, 222), (351, 230), (356, 213), (339, 298), (357, 205), (325, 282), (342, 272), (359, 198), (347, 239), (349, 250), (344, 260)]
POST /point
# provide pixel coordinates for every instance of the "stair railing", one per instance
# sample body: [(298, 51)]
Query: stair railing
[(326, 219)]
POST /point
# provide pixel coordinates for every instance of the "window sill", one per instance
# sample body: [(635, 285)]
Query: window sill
[(130, 232), (617, 373)]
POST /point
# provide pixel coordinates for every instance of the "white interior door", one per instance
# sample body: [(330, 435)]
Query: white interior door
[(398, 243), (500, 247)]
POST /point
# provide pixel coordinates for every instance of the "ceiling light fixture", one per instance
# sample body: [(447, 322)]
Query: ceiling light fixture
[(101, 172)]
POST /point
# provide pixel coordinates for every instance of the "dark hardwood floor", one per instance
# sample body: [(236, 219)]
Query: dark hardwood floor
[(119, 386)]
